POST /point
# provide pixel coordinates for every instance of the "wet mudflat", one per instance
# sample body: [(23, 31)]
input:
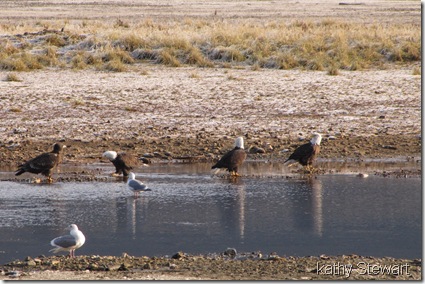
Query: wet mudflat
[(268, 211)]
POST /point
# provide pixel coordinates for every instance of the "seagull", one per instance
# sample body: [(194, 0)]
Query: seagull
[(70, 242), (135, 185)]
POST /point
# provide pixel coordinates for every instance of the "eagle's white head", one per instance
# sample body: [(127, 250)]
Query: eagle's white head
[(239, 143), (111, 155), (317, 138)]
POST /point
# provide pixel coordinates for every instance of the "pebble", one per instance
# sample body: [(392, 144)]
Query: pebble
[(256, 150), (230, 252)]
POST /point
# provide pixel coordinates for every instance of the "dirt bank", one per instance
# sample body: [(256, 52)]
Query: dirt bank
[(170, 114)]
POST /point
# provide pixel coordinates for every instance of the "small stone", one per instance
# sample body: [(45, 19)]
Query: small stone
[(389, 147), (172, 265), (147, 266), (13, 274), (113, 267), (256, 150), (178, 255), (31, 263), (123, 267), (230, 252), (362, 175)]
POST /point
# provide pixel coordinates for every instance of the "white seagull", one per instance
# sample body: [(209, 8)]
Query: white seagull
[(70, 242), (135, 185)]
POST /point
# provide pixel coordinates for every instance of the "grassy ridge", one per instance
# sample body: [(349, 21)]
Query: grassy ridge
[(323, 45)]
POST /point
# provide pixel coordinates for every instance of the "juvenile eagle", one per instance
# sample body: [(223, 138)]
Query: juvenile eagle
[(307, 153), (233, 159), (43, 163)]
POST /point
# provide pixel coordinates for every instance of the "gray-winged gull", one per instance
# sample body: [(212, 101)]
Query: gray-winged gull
[(70, 242), (135, 185)]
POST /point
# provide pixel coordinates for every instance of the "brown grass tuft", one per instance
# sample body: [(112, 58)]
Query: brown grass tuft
[(416, 71), (13, 77), (167, 57), (15, 109), (333, 71)]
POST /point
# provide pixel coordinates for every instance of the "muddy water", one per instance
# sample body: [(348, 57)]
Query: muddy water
[(190, 210)]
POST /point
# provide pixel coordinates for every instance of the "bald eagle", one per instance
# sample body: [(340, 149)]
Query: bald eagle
[(307, 153), (43, 163), (233, 159), (123, 162)]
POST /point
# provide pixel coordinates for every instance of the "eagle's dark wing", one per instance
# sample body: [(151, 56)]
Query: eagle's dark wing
[(302, 154), (231, 160), (125, 163), (224, 161)]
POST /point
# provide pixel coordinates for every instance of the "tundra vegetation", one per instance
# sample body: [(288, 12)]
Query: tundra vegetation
[(324, 44)]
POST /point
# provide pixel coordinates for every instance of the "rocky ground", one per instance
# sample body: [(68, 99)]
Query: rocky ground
[(170, 114), (223, 266)]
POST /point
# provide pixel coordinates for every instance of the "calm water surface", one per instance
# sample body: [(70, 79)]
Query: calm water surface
[(190, 210)]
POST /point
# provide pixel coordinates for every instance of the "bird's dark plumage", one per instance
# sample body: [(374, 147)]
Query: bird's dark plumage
[(43, 163), (233, 159), (123, 162), (305, 154)]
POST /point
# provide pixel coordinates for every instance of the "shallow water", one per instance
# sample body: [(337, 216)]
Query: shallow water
[(190, 210)]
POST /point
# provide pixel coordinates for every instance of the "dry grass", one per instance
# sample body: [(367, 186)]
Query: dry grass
[(416, 71), (311, 45), (13, 77), (15, 109)]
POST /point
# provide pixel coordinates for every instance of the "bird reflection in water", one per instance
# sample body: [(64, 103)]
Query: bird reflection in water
[(316, 204)]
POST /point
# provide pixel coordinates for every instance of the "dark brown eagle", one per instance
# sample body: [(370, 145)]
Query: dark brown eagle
[(307, 153), (43, 163), (233, 159), (123, 162)]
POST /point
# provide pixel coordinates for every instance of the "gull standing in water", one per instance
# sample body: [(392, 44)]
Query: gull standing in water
[(135, 185)]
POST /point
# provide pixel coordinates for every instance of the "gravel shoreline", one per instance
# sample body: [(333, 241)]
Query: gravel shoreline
[(223, 266)]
